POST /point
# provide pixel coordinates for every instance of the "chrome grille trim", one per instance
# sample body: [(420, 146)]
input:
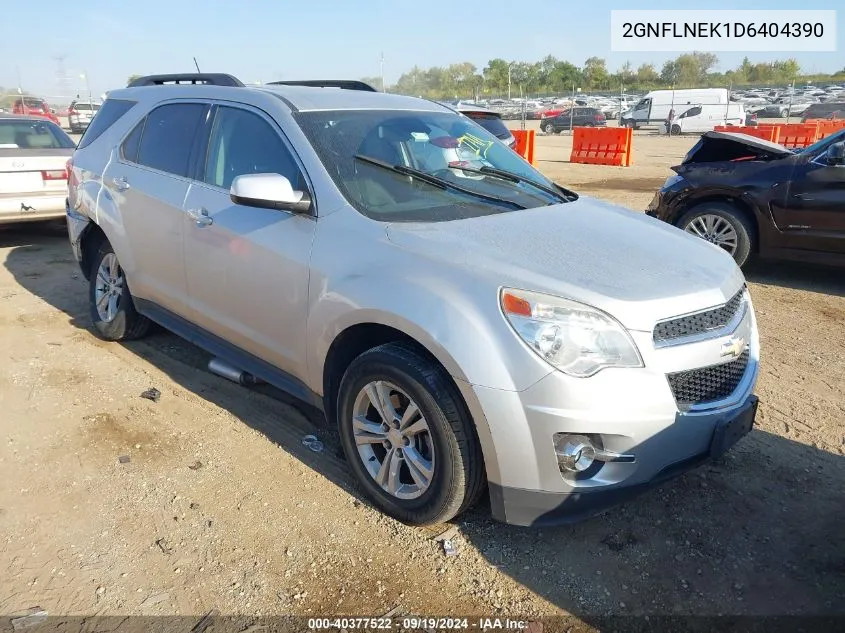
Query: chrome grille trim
[(702, 325)]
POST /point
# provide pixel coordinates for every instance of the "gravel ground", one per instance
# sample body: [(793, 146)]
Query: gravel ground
[(216, 503)]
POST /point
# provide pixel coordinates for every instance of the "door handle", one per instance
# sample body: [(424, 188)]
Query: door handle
[(200, 217), (120, 183)]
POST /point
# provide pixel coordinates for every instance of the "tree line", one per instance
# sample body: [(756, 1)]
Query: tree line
[(555, 76)]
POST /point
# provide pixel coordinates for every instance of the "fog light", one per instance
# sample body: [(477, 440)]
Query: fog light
[(575, 453)]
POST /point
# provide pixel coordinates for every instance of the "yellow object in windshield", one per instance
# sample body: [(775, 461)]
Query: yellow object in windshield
[(477, 145)]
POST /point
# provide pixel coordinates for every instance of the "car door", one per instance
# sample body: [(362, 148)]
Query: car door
[(148, 181), (813, 217), (247, 267)]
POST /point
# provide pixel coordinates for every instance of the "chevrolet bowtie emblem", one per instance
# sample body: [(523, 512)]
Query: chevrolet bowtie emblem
[(734, 347)]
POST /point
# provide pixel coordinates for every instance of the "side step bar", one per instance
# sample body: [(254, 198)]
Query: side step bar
[(229, 372)]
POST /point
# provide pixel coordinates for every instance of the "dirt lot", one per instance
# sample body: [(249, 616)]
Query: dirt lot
[(221, 506)]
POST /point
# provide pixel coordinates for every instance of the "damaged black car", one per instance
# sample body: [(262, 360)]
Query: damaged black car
[(754, 198)]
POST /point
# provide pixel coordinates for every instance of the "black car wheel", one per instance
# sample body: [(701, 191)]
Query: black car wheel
[(548, 128), (724, 225), (676, 129), (407, 436)]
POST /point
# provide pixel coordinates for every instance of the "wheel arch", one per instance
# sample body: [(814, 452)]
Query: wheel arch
[(90, 242), (362, 336)]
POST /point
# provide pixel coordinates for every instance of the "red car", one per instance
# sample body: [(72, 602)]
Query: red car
[(33, 106), (550, 112)]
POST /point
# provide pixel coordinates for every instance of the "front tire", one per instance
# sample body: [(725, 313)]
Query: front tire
[(407, 436), (725, 226), (112, 309)]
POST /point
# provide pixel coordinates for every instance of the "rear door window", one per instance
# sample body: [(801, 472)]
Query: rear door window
[(169, 136), (105, 117)]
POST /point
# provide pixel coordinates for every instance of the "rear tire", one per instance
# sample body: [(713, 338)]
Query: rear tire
[(112, 309), (715, 214), (547, 128), (676, 130), (453, 474)]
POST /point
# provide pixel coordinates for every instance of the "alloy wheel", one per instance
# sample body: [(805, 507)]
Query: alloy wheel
[(393, 440), (108, 288), (716, 230)]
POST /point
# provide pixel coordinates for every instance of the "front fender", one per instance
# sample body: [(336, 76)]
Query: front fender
[(458, 321)]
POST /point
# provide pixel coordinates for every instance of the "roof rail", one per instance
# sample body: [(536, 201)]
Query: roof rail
[(345, 84), (208, 79)]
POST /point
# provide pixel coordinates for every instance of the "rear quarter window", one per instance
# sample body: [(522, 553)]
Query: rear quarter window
[(108, 114)]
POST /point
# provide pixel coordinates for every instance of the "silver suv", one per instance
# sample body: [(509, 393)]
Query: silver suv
[(467, 323)]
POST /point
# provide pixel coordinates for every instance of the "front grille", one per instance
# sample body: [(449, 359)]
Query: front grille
[(708, 384), (697, 323)]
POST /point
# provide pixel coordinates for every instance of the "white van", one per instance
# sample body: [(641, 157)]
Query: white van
[(703, 117), (655, 106)]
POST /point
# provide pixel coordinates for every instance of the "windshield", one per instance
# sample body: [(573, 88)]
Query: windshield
[(24, 134), (435, 143)]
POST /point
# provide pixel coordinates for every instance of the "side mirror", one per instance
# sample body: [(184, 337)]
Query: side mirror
[(836, 154), (269, 191)]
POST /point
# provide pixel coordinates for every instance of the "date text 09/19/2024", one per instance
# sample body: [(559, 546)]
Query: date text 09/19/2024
[(418, 623)]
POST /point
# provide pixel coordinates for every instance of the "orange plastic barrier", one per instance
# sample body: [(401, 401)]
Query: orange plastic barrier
[(765, 132), (798, 134), (602, 146), (524, 144), (827, 126)]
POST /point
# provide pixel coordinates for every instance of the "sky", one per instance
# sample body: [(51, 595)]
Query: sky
[(266, 40)]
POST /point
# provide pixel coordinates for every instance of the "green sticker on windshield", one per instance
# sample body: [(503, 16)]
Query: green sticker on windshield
[(477, 145)]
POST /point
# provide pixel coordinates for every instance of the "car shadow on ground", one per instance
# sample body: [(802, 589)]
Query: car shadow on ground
[(756, 532), (799, 276)]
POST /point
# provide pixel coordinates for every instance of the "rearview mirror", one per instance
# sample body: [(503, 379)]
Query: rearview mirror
[(836, 154), (269, 191)]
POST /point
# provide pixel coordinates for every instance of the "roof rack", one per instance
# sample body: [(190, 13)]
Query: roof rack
[(208, 79), (345, 84)]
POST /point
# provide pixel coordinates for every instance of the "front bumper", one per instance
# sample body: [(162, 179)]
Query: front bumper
[(628, 412), (539, 508)]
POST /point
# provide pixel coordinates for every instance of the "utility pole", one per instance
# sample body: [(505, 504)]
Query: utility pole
[(382, 71), (61, 77), (20, 87), (84, 76), (509, 80)]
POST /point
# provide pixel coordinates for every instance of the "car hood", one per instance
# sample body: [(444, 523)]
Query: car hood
[(638, 269)]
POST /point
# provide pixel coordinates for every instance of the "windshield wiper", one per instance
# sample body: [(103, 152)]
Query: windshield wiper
[(435, 181), (565, 195)]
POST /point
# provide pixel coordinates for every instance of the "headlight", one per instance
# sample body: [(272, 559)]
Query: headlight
[(671, 180), (573, 337)]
